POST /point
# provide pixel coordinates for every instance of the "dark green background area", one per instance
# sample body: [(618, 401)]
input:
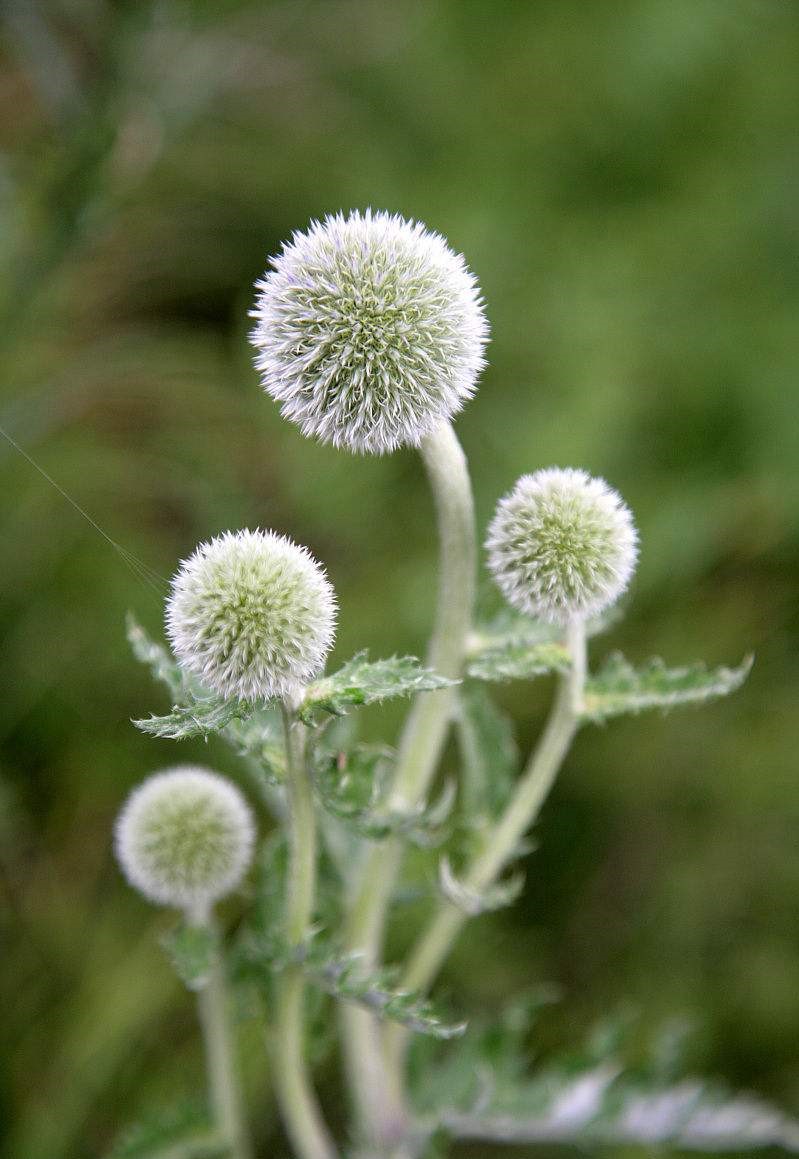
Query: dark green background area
[(623, 177)]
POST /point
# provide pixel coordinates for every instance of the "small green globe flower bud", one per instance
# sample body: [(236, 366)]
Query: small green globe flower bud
[(252, 615), (561, 545), (370, 331), (184, 838)]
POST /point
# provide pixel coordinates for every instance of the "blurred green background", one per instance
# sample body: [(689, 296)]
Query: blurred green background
[(623, 178)]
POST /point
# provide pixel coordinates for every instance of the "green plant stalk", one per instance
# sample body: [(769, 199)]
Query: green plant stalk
[(302, 1117), (419, 751), (498, 848), (223, 1086)]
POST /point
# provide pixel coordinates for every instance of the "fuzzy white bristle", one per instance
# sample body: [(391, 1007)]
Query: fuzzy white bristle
[(562, 544), (369, 331)]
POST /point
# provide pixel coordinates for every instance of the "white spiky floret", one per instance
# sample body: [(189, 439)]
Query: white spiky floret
[(184, 838), (562, 544), (369, 331), (252, 615)]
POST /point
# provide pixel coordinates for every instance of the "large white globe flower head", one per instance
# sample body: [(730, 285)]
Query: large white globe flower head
[(561, 545), (184, 838), (252, 615), (369, 331)]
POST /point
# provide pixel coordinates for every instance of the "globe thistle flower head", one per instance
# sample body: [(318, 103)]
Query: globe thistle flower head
[(561, 545), (369, 331), (252, 615), (184, 838)]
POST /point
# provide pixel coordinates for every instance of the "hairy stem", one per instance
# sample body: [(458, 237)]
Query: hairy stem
[(419, 751), (223, 1087), (301, 1114), (499, 845)]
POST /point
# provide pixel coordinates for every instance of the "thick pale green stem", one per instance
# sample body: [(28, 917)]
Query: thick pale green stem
[(499, 846), (418, 755), (223, 1088), (301, 1114)]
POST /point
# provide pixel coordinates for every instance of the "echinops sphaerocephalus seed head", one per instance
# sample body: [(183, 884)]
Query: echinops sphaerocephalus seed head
[(369, 331), (561, 545), (252, 615), (184, 838)]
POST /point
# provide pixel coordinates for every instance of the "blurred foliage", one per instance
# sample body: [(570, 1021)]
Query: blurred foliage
[(622, 178)]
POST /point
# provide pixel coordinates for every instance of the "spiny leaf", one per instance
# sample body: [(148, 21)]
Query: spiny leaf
[(619, 688), (156, 657), (196, 717), (343, 977), (489, 754), (190, 949), (361, 681), (471, 901)]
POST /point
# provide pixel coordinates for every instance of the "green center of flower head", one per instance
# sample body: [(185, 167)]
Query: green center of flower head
[(187, 838), (573, 549)]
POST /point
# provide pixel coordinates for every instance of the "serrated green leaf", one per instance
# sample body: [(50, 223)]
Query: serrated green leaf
[(619, 688), (489, 754), (361, 681), (190, 949), (196, 717), (156, 657)]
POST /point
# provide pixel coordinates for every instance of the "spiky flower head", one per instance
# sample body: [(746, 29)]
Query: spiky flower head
[(252, 615), (369, 331), (184, 838), (561, 544)]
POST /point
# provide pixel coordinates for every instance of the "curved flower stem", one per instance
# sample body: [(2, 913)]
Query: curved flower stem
[(301, 1114), (223, 1087), (420, 748), (499, 846)]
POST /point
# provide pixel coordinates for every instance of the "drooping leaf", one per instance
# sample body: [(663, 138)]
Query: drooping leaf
[(180, 1131), (190, 949), (489, 754), (196, 717), (473, 902), (619, 688), (361, 681)]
